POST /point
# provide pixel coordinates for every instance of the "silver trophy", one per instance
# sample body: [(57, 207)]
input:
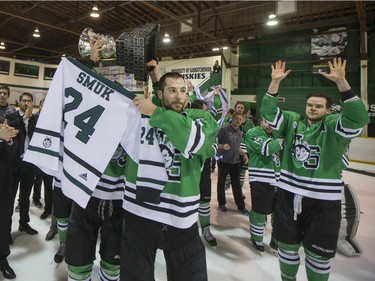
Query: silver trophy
[(108, 49)]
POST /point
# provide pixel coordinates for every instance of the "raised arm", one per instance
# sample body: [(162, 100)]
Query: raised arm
[(154, 71), (277, 75)]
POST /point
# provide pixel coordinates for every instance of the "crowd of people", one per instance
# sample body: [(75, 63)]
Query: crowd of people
[(159, 198)]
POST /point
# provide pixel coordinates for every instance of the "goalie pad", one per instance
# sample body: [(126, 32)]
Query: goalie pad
[(350, 215)]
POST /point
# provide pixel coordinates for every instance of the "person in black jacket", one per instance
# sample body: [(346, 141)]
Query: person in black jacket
[(24, 120), (7, 152)]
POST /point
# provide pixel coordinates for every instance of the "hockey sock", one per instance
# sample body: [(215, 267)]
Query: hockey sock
[(80, 273), (204, 213), (257, 222), (109, 272), (289, 261), (62, 228), (317, 267)]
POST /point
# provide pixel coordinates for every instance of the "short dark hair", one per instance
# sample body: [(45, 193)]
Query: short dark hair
[(239, 102), (321, 95), (235, 113), (174, 75), (5, 88), (27, 94), (198, 104)]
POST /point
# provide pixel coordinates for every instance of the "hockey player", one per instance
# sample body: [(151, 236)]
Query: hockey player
[(62, 207), (204, 210), (103, 213), (264, 171), (309, 198), (161, 207)]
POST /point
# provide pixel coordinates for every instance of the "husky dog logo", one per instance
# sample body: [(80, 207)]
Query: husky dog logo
[(119, 156), (171, 157), (47, 142), (308, 155), (167, 153), (301, 152)]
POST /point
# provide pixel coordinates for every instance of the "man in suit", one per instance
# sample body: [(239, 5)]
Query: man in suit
[(24, 174), (7, 151)]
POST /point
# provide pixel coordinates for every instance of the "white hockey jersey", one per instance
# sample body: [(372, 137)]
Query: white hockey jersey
[(84, 118)]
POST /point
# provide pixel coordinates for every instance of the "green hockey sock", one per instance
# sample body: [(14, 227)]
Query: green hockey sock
[(108, 271), (80, 273), (204, 213), (257, 223), (317, 267), (289, 261), (62, 228)]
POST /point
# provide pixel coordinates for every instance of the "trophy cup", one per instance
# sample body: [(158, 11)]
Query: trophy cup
[(84, 49)]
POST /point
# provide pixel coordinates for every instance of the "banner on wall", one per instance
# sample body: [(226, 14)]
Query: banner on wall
[(198, 71), (327, 44)]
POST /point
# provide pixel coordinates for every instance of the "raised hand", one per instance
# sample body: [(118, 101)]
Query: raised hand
[(29, 110), (337, 74), (336, 68), (154, 71), (278, 71), (190, 86), (96, 46)]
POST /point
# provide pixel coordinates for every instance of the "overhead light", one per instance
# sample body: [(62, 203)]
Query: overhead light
[(272, 20), (36, 33), (215, 49), (2, 45), (95, 12), (166, 38)]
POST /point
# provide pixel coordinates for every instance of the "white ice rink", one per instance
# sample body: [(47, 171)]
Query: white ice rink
[(234, 258)]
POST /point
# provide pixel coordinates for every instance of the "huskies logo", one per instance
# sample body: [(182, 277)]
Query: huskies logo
[(307, 155), (167, 153), (119, 156), (47, 142), (171, 156)]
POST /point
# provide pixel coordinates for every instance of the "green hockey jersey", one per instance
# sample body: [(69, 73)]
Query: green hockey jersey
[(264, 161), (185, 142), (111, 185), (312, 160)]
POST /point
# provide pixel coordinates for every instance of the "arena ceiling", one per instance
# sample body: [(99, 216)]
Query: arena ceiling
[(195, 27)]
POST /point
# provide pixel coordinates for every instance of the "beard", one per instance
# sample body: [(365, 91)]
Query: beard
[(177, 106)]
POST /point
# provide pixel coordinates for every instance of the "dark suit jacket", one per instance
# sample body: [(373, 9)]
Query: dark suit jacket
[(15, 120), (6, 177)]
